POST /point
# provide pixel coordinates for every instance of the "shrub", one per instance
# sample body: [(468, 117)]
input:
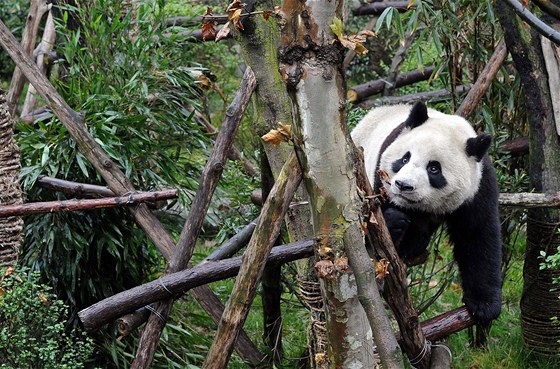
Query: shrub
[(32, 326)]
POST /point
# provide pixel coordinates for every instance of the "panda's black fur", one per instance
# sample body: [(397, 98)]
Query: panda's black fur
[(473, 225)]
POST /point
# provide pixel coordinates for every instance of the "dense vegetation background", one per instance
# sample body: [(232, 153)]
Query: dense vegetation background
[(144, 101)]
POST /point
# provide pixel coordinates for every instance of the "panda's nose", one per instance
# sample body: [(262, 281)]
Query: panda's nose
[(404, 186)]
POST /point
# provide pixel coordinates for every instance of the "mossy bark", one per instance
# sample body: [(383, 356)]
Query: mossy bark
[(538, 303)]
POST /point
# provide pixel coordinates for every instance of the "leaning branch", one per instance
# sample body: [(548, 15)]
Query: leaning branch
[(74, 188), (484, 80), (176, 284), (377, 8)]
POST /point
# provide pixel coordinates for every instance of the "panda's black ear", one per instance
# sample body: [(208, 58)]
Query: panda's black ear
[(418, 115), (478, 146)]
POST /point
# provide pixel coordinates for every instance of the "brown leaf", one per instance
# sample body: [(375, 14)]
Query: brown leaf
[(44, 298), (208, 30), (282, 134), (266, 14), (325, 269), (373, 218), (235, 17), (223, 32), (384, 176), (204, 82), (341, 265), (381, 269), (524, 3), (325, 252)]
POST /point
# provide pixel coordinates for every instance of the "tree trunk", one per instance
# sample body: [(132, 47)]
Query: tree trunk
[(310, 64), (259, 44), (538, 302), (11, 227)]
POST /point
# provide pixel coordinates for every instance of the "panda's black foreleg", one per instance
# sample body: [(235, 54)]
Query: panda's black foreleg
[(474, 229), (397, 223), (410, 232)]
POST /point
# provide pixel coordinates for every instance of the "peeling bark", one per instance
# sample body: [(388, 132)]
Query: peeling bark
[(11, 227)]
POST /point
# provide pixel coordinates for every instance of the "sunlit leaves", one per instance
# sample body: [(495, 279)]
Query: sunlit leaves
[(353, 42)]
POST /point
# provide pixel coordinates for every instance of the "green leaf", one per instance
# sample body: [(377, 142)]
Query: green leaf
[(336, 27), (45, 156)]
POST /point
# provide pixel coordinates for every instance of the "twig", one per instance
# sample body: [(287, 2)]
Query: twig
[(533, 21), (176, 284), (79, 204), (234, 244), (548, 7), (398, 60)]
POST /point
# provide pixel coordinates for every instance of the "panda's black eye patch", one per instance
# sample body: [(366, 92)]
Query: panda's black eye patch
[(398, 164), (435, 175)]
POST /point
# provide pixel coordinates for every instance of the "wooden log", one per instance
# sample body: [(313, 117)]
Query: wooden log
[(175, 284), (446, 324), (516, 147), (90, 204), (76, 189), (530, 200), (359, 92), (484, 80), (436, 95), (377, 8), (37, 9)]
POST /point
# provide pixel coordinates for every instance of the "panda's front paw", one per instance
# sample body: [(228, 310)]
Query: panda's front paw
[(484, 311), (397, 223)]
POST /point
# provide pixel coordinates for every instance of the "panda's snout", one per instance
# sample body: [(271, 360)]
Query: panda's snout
[(404, 186)]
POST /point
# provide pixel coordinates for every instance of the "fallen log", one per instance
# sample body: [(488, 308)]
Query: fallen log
[(89, 204), (412, 98), (362, 91), (379, 7), (530, 200), (82, 190), (175, 284)]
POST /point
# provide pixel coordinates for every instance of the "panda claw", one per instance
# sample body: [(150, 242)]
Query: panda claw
[(483, 311)]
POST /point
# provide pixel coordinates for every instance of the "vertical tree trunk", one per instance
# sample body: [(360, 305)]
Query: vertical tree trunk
[(538, 303), (10, 191), (259, 44), (310, 65)]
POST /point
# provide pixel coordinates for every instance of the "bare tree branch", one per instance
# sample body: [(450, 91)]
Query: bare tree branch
[(541, 27)]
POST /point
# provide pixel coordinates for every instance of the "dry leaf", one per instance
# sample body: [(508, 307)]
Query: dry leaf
[(282, 134), (325, 269), (433, 283), (325, 252), (381, 269), (341, 265), (373, 218), (44, 298), (266, 14), (384, 176), (208, 30), (234, 11), (204, 82), (223, 32)]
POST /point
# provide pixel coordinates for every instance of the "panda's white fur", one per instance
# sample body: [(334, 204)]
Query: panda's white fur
[(442, 138)]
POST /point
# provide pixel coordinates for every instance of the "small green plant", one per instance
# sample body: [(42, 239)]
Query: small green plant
[(32, 326)]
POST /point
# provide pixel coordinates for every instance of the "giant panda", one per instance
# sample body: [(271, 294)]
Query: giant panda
[(435, 169)]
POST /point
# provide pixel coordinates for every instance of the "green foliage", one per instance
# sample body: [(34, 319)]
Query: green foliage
[(14, 13), (137, 95), (32, 326)]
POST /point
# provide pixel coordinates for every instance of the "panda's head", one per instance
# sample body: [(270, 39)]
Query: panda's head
[(434, 165)]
